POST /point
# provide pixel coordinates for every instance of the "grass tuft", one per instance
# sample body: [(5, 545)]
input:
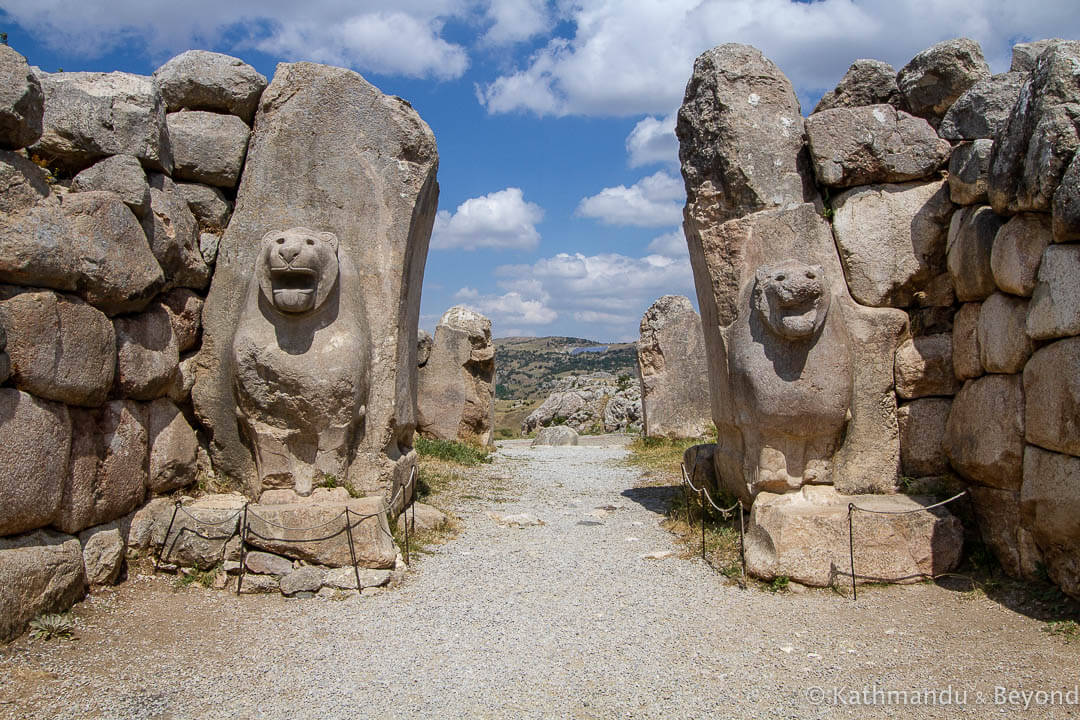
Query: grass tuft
[(452, 451), (53, 626)]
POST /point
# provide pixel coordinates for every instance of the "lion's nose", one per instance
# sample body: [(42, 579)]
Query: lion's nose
[(288, 253)]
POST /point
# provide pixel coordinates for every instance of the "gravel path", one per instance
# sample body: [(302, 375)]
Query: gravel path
[(565, 619)]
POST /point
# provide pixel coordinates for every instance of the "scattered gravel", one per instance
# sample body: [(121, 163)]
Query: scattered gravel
[(596, 613)]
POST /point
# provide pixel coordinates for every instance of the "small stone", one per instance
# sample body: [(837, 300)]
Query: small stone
[(208, 246), (210, 208), (103, 553), (658, 555), (344, 578), (307, 579), (558, 435), (203, 80), (422, 518), (256, 584), (267, 563)]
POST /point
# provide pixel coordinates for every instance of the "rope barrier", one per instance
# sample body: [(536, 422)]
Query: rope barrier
[(852, 507), (703, 494)]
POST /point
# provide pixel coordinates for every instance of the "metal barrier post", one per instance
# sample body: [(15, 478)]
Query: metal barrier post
[(742, 545), (157, 560), (352, 549), (243, 548), (701, 499), (851, 547)]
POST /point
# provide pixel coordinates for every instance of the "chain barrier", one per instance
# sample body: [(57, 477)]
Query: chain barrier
[(725, 513), (852, 507), (244, 530)]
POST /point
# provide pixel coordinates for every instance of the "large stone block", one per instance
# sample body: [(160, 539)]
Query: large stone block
[(24, 183), (1004, 347), (1052, 397), (1066, 208), (1050, 503), (673, 371), (103, 551), (866, 82), (741, 141), (558, 435), (147, 353), (210, 207), (1017, 252), (120, 174), (998, 515), (1054, 310), (804, 536), (965, 351), (173, 235), (204, 532), (380, 205), (33, 460), (185, 312), (892, 239), (939, 75), (90, 115), (269, 530), (924, 367), (174, 449), (60, 347), (90, 244), (1040, 137), (107, 472), (21, 102), (983, 109), (203, 80), (969, 167), (873, 144), (456, 386), (1026, 55), (984, 437), (208, 147), (41, 572), (922, 428), (970, 246)]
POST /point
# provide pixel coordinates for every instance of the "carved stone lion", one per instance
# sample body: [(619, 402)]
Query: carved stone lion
[(301, 361), (790, 370)]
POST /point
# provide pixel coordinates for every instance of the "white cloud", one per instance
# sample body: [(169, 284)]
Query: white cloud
[(653, 141), (360, 34), (502, 220), (629, 57), (672, 245), (653, 201), (509, 308), (516, 20)]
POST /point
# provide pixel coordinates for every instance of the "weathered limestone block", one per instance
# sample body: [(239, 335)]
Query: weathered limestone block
[(147, 353), (209, 206), (367, 174), (371, 532), (965, 350), (120, 174), (215, 516), (983, 109), (90, 115), (969, 167), (24, 183), (623, 410), (203, 80), (873, 144), (40, 572), (892, 239), (556, 435), (33, 460), (208, 246), (1054, 310), (741, 141), (924, 367), (804, 536), (184, 380), (781, 333), (456, 386), (185, 312), (107, 472), (1004, 347), (264, 563), (345, 578), (307, 579), (21, 102), (103, 551), (1038, 141), (866, 82), (90, 243), (174, 448), (970, 246), (1026, 55), (1050, 502), (424, 343), (425, 519), (673, 371), (301, 360), (1052, 397), (208, 147), (173, 235), (998, 515), (1066, 209), (937, 76), (922, 427), (558, 406), (1017, 252), (984, 437), (60, 347)]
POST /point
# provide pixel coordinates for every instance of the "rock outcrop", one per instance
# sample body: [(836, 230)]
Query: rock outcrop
[(582, 402), (673, 371)]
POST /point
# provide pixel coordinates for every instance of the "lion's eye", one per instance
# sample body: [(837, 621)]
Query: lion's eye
[(310, 241), (281, 241), (810, 275), (780, 278)]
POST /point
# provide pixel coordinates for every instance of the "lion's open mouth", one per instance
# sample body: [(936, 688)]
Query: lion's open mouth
[(294, 288)]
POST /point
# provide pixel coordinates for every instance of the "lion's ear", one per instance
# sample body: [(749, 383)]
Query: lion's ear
[(267, 235), (330, 239)]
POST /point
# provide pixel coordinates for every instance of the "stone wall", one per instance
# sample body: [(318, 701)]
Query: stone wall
[(933, 212), (118, 191)]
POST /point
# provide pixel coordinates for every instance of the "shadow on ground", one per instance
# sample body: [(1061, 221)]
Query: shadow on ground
[(655, 499)]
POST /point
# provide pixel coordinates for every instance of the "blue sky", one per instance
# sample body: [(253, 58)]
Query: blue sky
[(560, 193)]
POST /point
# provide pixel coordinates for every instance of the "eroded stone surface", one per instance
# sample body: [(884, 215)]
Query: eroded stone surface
[(1050, 500), (1004, 347), (969, 167), (935, 78), (173, 447), (984, 437), (970, 246), (1054, 310), (210, 208), (208, 147), (173, 235), (674, 375), (103, 550), (965, 335), (866, 82), (556, 435), (41, 572), (34, 458), (147, 353), (1052, 397), (983, 109), (922, 427), (924, 367), (203, 80), (120, 174), (1017, 252), (21, 102)]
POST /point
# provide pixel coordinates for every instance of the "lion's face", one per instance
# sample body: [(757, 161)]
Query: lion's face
[(792, 298), (297, 268)]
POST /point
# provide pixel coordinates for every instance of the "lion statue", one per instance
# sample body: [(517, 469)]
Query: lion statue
[(301, 361), (789, 368)]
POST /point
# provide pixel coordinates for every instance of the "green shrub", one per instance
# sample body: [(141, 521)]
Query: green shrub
[(452, 451), (53, 626)]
